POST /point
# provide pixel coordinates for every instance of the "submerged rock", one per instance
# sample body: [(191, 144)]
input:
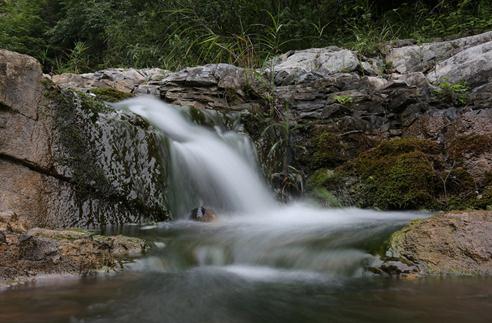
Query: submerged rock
[(203, 214), (456, 243), (27, 254)]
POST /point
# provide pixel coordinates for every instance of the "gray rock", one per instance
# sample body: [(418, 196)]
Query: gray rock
[(127, 80), (313, 64), (421, 58), (472, 66), (77, 162), (214, 86)]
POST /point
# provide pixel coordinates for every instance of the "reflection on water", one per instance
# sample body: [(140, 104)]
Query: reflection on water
[(222, 295), (257, 270)]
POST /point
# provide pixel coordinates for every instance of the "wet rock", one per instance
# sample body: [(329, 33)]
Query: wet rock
[(446, 244), (67, 159), (397, 268), (71, 251), (203, 214)]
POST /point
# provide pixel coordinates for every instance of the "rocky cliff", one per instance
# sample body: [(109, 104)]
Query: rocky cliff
[(69, 160), (410, 128)]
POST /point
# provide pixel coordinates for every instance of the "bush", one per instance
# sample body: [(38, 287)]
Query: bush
[(177, 33)]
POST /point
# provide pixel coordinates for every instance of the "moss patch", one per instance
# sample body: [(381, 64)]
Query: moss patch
[(328, 149), (471, 145), (110, 94), (398, 174)]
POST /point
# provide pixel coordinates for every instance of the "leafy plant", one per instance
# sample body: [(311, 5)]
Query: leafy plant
[(343, 99), (456, 93), (78, 60)]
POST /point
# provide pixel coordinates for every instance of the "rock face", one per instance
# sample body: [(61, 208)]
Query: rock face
[(130, 80), (447, 244), (28, 253), (312, 64), (421, 58), (338, 104), (217, 86), (69, 160)]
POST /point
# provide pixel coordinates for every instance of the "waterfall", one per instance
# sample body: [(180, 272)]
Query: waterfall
[(208, 168)]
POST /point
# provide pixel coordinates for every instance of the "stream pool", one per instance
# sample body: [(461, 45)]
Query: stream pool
[(253, 270)]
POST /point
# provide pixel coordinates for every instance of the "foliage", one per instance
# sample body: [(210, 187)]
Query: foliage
[(80, 35), (456, 93), (343, 99), (110, 94)]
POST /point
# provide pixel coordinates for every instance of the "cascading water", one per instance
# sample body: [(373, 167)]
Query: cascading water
[(205, 170), (260, 262), (218, 170)]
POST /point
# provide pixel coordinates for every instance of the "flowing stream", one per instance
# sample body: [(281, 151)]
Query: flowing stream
[(261, 261)]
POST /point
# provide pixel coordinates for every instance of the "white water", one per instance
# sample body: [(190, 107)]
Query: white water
[(219, 170), (205, 169)]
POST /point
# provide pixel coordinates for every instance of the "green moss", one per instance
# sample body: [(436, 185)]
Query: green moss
[(398, 174), (319, 178), (198, 116), (326, 198), (327, 150), (344, 99), (110, 94), (91, 104), (470, 145)]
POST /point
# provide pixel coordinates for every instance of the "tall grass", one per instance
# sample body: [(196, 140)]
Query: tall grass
[(177, 33)]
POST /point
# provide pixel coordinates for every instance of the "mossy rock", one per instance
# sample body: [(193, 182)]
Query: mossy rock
[(325, 197), (397, 174), (327, 149), (470, 145), (109, 94)]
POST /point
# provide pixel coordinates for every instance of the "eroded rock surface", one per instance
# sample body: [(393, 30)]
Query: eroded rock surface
[(30, 253), (457, 243), (126, 80), (67, 159), (338, 105)]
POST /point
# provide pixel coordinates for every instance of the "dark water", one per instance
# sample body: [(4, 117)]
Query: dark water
[(241, 271)]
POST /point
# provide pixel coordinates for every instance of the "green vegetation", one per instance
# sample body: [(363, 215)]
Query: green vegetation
[(398, 174), (455, 93), (84, 35), (109, 94), (344, 99), (408, 173)]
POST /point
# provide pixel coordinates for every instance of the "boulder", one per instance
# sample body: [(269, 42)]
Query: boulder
[(203, 214), (313, 64), (421, 58), (67, 159), (446, 244), (27, 254), (472, 66)]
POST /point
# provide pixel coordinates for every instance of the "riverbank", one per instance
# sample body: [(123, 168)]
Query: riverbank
[(27, 254)]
